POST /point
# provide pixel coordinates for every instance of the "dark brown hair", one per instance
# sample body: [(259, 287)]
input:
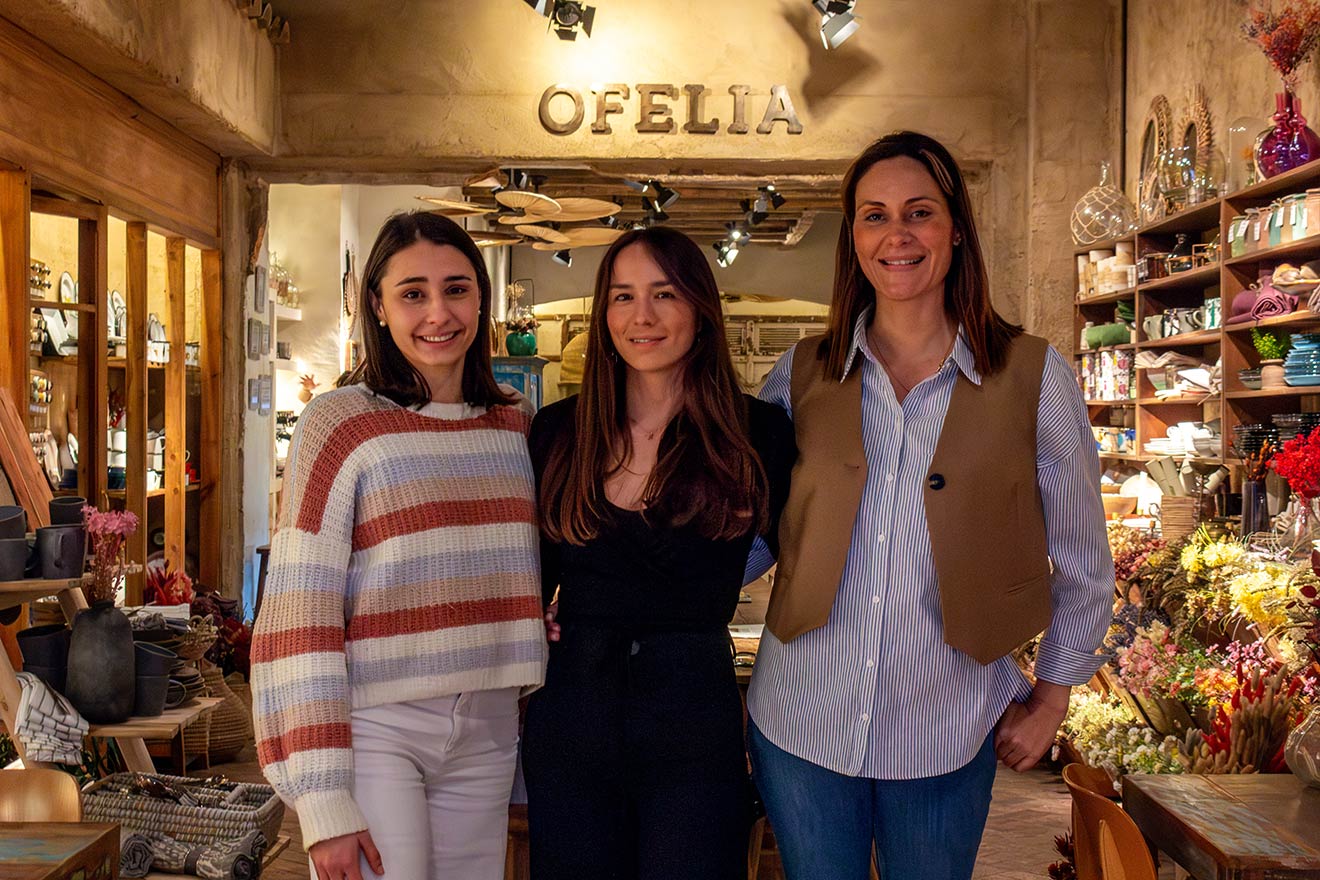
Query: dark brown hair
[(384, 369), (707, 472), (966, 287)]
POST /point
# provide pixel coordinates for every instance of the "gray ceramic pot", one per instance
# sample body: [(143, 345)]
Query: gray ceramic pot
[(102, 665)]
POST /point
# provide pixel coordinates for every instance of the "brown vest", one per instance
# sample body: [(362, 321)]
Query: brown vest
[(983, 506)]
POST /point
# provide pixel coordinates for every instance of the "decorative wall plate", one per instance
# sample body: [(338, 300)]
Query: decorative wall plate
[(68, 289), (1197, 129)]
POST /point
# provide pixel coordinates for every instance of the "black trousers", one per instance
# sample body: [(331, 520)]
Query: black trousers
[(634, 760)]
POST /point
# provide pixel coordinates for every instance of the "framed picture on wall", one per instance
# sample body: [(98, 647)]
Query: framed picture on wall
[(259, 290), (254, 393), (266, 392), (255, 330)]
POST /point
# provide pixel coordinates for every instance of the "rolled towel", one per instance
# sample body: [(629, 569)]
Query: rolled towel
[(237, 858), (1272, 302), (135, 856)]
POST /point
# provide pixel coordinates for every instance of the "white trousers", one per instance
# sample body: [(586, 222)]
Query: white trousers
[(433, 778)]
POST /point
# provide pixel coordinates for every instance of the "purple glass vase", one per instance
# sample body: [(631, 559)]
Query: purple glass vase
[(1291, 142)]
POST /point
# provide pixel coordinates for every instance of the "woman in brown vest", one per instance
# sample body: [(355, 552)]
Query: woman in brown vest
[(945, 462), (653, 483)]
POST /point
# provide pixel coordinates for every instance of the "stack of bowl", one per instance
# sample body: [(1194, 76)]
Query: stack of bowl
[(1248, 439), (1302, 366), (1292, 424)]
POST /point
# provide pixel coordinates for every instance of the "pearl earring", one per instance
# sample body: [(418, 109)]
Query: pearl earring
[(382, 322)]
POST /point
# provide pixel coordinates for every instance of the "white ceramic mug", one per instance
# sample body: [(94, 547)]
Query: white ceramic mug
[(1154, 326)]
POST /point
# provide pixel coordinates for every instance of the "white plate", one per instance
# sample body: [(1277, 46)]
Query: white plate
[(68, 290)]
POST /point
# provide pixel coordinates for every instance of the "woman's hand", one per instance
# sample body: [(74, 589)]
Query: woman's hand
[(551, 628), (1027, 730), (336, 858)]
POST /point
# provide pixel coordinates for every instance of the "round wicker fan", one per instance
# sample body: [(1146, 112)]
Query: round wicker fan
[(493, 237), (455, 207), (574, 209), (523, 200), (544, 233), (552, 246), (592, 236)]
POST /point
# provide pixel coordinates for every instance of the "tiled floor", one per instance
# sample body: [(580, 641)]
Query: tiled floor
[(1028, 810)]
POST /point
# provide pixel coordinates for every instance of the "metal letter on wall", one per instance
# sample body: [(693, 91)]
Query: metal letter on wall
[(649, 109), (549, 122), (696, 94), (604, 106), (779, 109), (739, 124)]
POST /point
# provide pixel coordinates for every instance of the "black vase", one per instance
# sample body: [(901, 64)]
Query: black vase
[(100, 681)]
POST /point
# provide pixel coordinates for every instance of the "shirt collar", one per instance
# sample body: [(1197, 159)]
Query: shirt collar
[(961, 354)]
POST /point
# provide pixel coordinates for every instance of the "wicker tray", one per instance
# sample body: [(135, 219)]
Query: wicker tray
[(253, 807)]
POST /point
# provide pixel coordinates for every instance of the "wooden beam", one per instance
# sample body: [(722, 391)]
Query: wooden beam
[(93, 378), (208, 457), (135, 399), (176, 404), (15, 317)]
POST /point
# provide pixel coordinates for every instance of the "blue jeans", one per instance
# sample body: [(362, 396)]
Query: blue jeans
[(825, 822)]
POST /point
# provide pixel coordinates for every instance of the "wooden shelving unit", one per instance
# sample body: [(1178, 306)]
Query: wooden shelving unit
[(1236, 404)]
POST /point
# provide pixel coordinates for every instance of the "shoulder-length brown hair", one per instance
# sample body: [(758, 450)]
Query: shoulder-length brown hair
[(384, 369), (707, 473), (966, 287)]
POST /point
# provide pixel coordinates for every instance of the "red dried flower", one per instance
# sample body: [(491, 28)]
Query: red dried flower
[(1287, 32), (1299, 463)]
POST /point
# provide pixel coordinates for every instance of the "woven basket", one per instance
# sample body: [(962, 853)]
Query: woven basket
[(251, 807), (231, 725), (197, 736), (198, 640)]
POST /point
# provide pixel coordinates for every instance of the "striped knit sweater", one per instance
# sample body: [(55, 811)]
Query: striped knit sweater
[(404, 566)]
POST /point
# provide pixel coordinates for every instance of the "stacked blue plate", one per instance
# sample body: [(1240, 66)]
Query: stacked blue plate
[(1302, 366), (1292, 424), (1248, 439)]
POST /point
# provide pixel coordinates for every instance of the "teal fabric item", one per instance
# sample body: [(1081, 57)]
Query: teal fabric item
[(1108, 334)]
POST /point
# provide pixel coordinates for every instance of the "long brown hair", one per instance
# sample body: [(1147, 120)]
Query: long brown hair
[(707, 472), (967, 285), (384, 369)]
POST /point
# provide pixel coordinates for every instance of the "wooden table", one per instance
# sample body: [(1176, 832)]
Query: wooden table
[(1248, 827), (59, 850)]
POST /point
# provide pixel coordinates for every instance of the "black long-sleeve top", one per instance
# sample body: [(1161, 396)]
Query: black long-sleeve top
[(645, 576)]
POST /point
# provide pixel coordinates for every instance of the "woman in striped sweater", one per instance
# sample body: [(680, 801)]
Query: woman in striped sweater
[(401, 617)]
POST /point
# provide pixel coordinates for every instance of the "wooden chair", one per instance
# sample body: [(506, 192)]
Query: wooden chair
[(1092, 812), (39, 795), (1123, 852)]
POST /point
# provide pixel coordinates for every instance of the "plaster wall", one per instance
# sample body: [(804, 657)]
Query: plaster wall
[(1175, 44), (201, 65)]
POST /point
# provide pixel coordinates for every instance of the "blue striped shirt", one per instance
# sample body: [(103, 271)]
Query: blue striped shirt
[(876, 692)]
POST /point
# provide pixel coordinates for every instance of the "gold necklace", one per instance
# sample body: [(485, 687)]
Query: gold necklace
[(638, 429), (893, 377)]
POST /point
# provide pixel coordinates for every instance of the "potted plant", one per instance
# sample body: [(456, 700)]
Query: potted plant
[(100, 680), (519, 321), (1272, 347)]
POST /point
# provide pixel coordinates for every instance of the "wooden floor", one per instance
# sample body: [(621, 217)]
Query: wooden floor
[(1028, 810)]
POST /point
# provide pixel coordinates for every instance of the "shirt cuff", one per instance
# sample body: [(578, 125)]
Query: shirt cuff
[(1059, 664), (326, 814)]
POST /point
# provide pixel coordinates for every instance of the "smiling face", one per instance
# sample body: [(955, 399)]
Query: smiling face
[(431, 305), (651, 324), (903, 231)]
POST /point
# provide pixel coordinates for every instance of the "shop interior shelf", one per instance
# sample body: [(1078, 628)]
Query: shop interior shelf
[(17, 592), (61, 306), (1128, 346), (151, 493), (1185, 400), (1111, 402), (1200, 337), (1308, 247), (286, 313), (1298, 179), (1290, 391), (1202, 276), (1198, 217), (1107, 245), (1122, 456), (1110, 297), (162, 726), (1301, 317)]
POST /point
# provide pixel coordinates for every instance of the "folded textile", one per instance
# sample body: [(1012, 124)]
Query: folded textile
[(237, 858), (1272, 302), (48, 726), (135, 856)]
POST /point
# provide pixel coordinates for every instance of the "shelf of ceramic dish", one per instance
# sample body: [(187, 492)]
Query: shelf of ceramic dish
[(1201, 276), (1102, 298), (1308, 247), (1121, 456), (1300, 318), (1185, 400), (1288, 391), (1200, 337), (162, 726), (61, 306), (1203, 215)]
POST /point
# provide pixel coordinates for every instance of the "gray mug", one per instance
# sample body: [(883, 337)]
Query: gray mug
[(13, 521), (14, 554), (67, 510), (61, 549)]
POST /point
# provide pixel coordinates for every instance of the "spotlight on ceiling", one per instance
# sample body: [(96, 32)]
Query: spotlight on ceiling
[(563, 258), (837, 22), (776, 198), (755, 212), (737, 234), (567, 17), (655, 210), (664, 196), (611, 221), (725, 253)]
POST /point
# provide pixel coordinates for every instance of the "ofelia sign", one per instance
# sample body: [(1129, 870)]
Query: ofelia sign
[(563, 108)]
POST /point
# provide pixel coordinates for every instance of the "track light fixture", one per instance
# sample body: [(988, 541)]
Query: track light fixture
[(567, 17), (655, 210), (664, 196), (754, 212), (837, 21), (776, 198), (563, 258), (725, 253)]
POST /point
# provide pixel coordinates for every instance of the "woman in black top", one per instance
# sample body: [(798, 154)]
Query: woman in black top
[(653, 483)]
